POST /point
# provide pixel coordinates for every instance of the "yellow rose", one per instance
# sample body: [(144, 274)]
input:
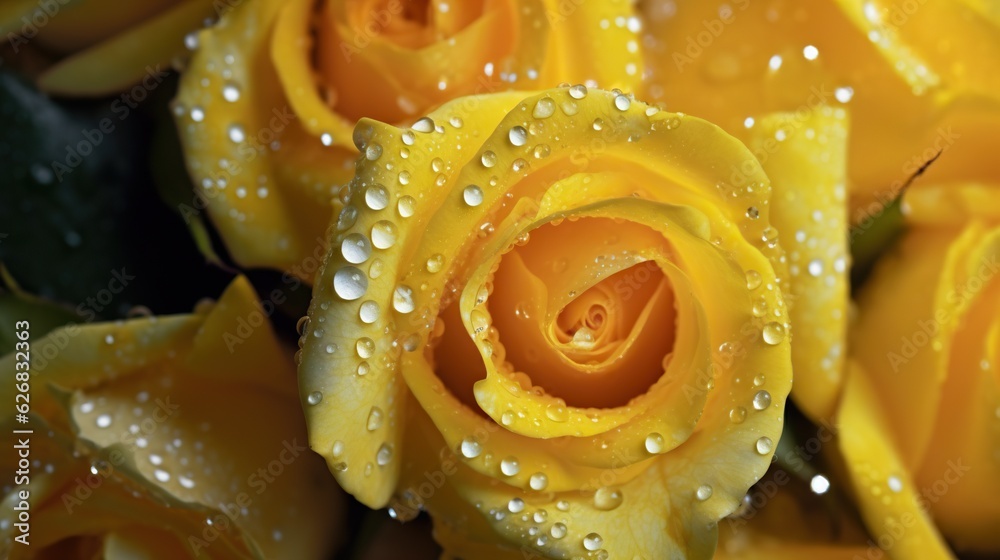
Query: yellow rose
[(100, 47), (167, 437), (567, 332), (920, 417), (918, 77), (268, 103)]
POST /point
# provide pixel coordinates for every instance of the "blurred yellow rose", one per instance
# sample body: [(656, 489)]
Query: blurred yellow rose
[(162, 437), (918, 77), (99, 47), (267, 106), (567, 333), (920, 416)]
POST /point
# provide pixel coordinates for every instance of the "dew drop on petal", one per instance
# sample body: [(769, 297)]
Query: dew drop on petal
[(518, 136), (516, 505), (472, 195), (544, 108), (592, 542), (384, 455), (374, 419), (489, 158), (773, 333), (703, 492), (470, 448), (383, 234), (764, 445), (314, 398), (509, 466), (654, 443), (578, 91), (350, 283), (607, 499), (622, 102), (402, 299), (761, 400), (538, 481)]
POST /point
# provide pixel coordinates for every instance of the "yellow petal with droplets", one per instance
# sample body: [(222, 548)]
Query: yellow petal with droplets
[(804, 155), (476, 175), (886, 492)]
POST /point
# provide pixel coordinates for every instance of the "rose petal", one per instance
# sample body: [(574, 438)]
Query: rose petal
[(807, 168)]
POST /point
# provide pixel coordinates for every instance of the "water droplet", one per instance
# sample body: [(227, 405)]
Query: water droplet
[(470, 448), (558, 530), (773, 333), (518, 136), (369, 312), (541, 151), (895, 484), (435, 263), (424, 125), (753, 213), (516, 505), (544, 108), (383, 234), (350, 283), (365, 347), (314, 398), (622, 102), (607, 499), (578, 91), (764, 445), (489, 158), (592, 541), (704, 492), (402, 299), (374, 419), (472, 195), (337, 449), (331, 348), (754, 280), (761, 400), (408, 138), (363, 368), (737, 415), (377, 197), (347, 217), (356, 248), (103, 421), (538, 481), (815, 267), (406, 206), (384, 455), (236, 133), (654, 443), (509, 466), (231, 92), (758, 380)]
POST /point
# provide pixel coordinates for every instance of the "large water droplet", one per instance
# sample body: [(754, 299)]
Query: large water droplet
[(470, 448), (518, 136), (402, 299), (350, 283), (773, 333), (607, 499)]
